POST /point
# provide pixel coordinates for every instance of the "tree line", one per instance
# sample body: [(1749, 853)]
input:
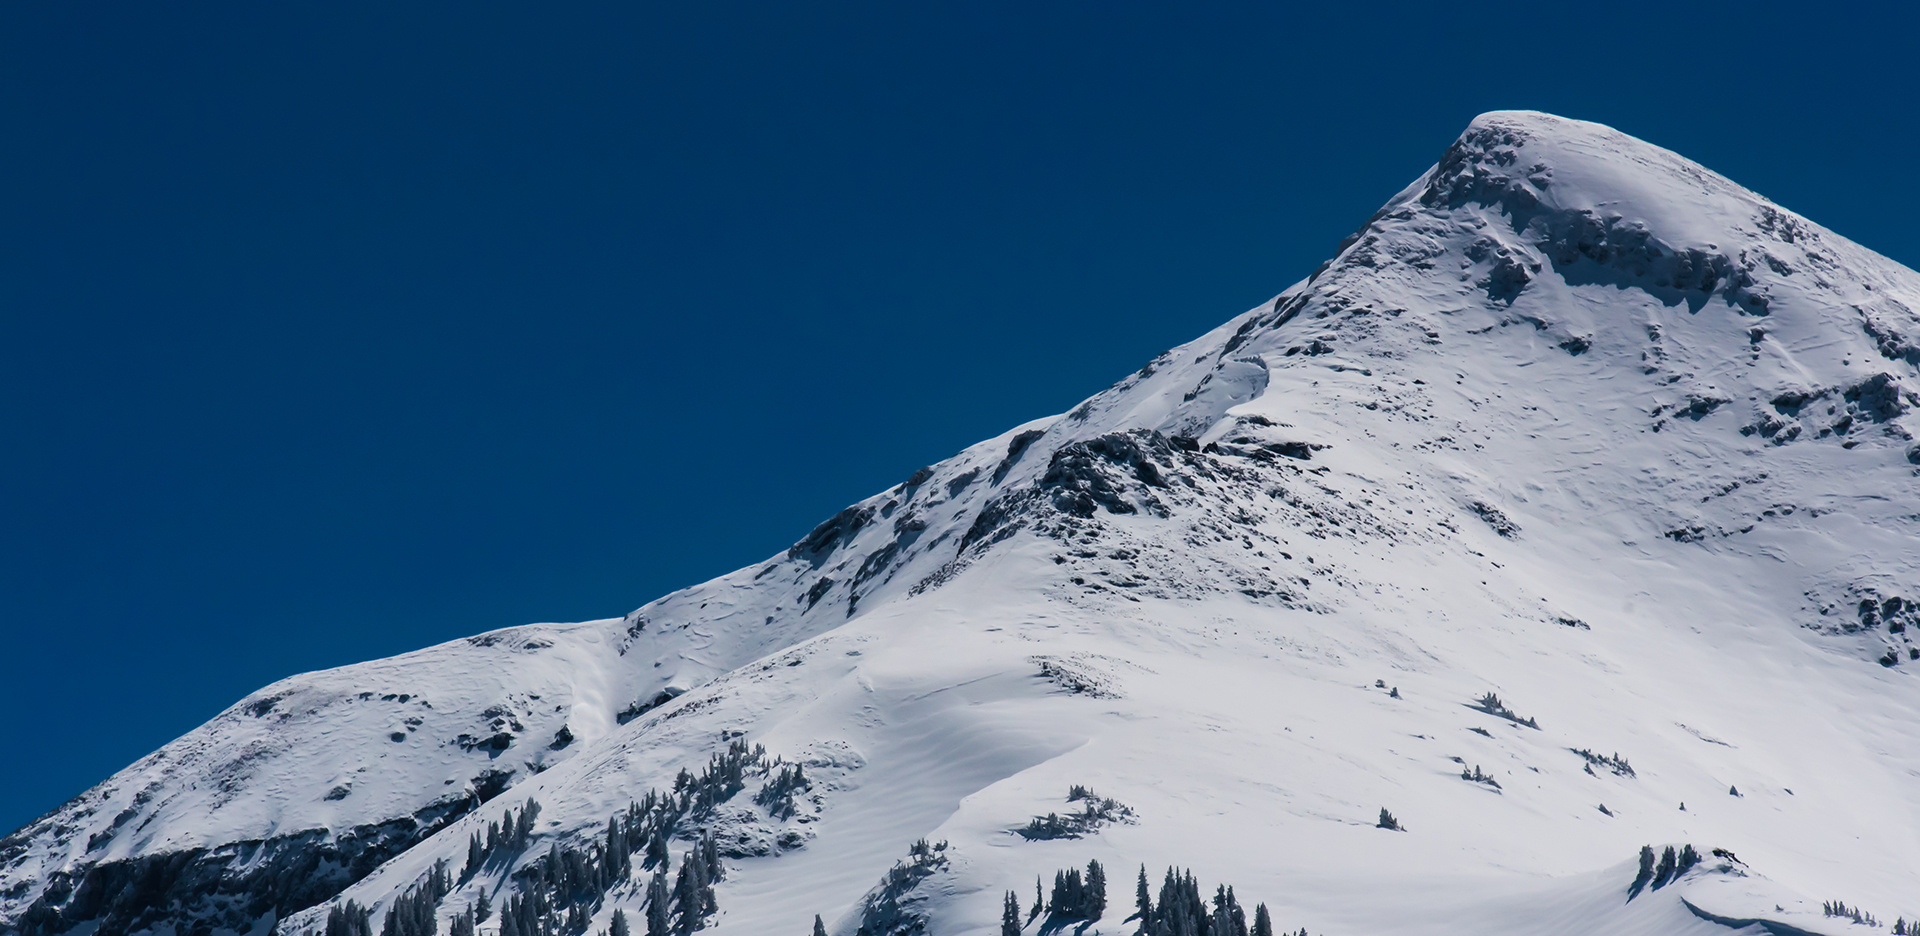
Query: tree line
[(558, 893), (1179, 911)]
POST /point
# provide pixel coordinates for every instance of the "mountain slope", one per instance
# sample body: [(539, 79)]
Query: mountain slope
[(1571, 420)]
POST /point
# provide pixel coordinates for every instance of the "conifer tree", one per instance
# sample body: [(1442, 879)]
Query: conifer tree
[(686, 894), (1664, 873), (349, 920), (820, 928), (1262, 922), (657, 900), (1688, 858), (523, 827), (1142, 901), (1645, 874), (1009, 916), (710, 854), (1094, 904), (1039, 902), (618, 927)]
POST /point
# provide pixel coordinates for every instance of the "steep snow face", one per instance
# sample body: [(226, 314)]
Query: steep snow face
[(1571, 422)]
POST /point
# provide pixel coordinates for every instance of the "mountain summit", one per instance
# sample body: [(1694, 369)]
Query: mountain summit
[(1543, 563)]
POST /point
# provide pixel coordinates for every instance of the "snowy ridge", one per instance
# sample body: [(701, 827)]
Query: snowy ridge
[(1571, 420)]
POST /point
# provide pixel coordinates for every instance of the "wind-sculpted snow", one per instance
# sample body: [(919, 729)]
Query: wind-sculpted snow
[(1575, 447)]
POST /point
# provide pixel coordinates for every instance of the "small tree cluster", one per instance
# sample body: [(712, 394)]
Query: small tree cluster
[(413, 913), (1492, 705), (1078, 897), (693, 897), (349, 919), (1181, 911), (891, 909), (1476, 776), (560, 891), (509, 836), (1835, 908), (1095, 811), (776, 797), (1902, 928), (1615, 763), (1387, 821), (1669, 867)]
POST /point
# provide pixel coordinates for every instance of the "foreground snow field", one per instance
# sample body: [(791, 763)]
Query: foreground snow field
[(1569, 509)]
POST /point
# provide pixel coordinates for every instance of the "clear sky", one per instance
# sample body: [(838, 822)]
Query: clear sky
[(333, 330)]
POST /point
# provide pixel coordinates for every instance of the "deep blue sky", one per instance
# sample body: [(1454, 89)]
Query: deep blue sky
[(329, 331)]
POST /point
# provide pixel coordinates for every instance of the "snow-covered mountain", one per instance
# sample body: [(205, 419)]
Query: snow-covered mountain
[(1569, 509)]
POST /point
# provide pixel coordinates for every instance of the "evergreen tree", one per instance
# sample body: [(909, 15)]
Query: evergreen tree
[(482, 908), (1069, 895), (1039, 902), (1688, 858), (820, 928), (1142, 901), (1664, 873), (1009, 916), (693, 893), (1094, 904), (1645, 875), (657, 901), (523, 827), (1262, 922), (616, 839), (710, 853), (618, 927), (349, 920)]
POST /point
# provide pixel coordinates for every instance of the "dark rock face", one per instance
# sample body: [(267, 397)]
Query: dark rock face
[(1082, 476), (1117, 472), (1486, 166), (1877, 398), (643, 706), (828, 536), (231, 886), (1015, 449), (1499, 521)]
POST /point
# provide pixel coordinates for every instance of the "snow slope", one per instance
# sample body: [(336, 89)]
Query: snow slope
[(1571, 420)]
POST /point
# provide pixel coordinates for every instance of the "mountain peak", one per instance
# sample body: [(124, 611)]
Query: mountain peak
[(1527, 161), (1574, 447)]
